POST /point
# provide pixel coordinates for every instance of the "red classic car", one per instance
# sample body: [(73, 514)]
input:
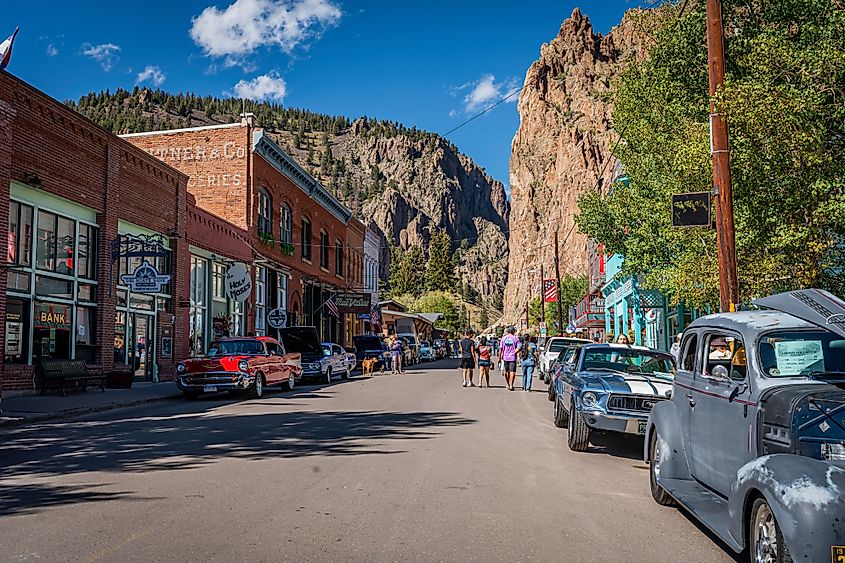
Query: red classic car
[(235, 364)]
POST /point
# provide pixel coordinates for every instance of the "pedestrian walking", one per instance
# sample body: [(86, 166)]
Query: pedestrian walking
[(675, 350), (528, 360), (467, 347), (396, 356), (485, 355), (507, 355)]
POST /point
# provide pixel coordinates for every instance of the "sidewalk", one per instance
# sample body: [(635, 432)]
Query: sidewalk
[(23, 409)]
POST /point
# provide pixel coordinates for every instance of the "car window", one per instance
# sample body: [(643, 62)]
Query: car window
[(337, 349), (556, 345), (235, 348), (631, 360), (690, 347), (273, 349), (725, 355), (802, 353)]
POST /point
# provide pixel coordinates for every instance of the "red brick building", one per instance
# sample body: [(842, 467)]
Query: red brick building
[(305, 244), (76, 201)]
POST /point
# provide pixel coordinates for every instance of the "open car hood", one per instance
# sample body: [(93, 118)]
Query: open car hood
[(815, 306)]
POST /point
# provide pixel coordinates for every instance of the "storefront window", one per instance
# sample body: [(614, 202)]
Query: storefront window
[(17, 331), (51, 330), (237, 319), (218, 281), (120, 337), (53, 287), (20, 234), (86, 261), (260, 300), (199, 269), (45, 255)]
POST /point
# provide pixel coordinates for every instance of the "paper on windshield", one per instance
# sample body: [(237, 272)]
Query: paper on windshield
[(795, 357)]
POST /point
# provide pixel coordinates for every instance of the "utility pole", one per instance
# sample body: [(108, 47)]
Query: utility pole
[(542, 295), (527, 324), (557, 280), (720, 149)]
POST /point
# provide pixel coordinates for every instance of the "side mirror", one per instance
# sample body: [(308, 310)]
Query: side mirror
[(720, 372), (735, 392)]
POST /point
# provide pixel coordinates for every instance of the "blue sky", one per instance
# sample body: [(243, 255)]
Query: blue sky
[(429, 64)]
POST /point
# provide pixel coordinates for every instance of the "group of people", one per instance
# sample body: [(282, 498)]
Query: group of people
[(511, 350)]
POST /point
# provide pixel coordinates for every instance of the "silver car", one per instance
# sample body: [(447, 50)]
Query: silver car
[(752, 441)]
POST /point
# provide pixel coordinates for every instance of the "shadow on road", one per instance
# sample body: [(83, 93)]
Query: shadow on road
[(192, 440), (27, 499), (618, 445)]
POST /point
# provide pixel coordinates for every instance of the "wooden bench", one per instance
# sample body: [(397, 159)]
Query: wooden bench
[(61, 373)]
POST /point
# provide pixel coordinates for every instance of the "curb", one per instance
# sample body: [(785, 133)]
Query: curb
[(69, 413)]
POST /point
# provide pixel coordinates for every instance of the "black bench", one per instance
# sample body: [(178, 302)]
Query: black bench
[(64, 373)]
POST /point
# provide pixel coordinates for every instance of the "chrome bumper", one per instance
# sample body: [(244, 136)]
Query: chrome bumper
[(226, 381), (624, 423)]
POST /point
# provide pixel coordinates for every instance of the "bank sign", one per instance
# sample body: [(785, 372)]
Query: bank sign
[(348, 302), (145, 279)]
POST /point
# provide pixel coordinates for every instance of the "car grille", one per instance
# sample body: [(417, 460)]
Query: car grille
[(210, 378), (632, 403)]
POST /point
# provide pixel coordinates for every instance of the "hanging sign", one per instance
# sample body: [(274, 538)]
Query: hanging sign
[(238, 282), (145, 279), (277, 318), (349, 302), (550, 291), (691, 210)]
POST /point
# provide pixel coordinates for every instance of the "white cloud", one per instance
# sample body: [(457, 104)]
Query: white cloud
[(485, 91), (151, 74), (269, 86), (52, 50), (246, 25), (105, 54)]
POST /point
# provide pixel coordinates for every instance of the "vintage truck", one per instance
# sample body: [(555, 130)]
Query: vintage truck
[(752, 441)]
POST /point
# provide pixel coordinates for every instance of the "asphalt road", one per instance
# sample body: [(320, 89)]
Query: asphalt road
[(390, 468)]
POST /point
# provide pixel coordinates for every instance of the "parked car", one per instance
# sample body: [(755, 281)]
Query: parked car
[(427, 353), (367, 347), (239, 364), (335, 361), (304, 339), (612, 387), (551, 350), (752, 442), (565, 361)]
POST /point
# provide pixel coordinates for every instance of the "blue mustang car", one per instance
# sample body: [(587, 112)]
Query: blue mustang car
[(610, 387)]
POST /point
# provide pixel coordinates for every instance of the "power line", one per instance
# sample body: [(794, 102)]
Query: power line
[(479, 114)]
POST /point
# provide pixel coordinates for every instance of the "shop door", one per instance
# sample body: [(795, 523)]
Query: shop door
[(141, 352)]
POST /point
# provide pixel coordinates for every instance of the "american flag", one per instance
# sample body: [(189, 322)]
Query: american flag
[(6, 49), (331, 307), (550, 291), (375, 316)]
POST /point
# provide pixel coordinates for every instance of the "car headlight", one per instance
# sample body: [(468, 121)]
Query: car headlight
[(243, 365), (180, 367), (589, 399)]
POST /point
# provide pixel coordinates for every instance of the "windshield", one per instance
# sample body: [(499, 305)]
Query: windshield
[(557, 345), (628, 360), (235, 348), (801, 353)]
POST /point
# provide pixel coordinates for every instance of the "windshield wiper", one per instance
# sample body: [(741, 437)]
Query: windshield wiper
[(816, 374)]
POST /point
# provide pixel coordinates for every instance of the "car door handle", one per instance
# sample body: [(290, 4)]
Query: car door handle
[(690, 399)]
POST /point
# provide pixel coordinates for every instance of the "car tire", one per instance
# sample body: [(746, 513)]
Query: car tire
[(329, 375), (347, 373), (561, 416), (658, 493), (290, 384), (765, 540), (552, 392), (256, 390), (578, 437), (190, 395)]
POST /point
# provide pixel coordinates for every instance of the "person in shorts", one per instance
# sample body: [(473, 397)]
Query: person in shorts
[(507, 355), (467, 351), (485, 356)]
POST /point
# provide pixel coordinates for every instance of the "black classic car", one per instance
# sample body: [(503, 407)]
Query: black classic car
[(752, 442)]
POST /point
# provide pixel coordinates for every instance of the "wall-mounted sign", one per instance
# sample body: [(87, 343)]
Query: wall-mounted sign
[(167, 347), (691, 210), (145, 279), (238, 282), (349, 302), (277, 318)]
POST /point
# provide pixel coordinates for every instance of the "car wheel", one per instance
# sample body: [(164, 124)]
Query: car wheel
[(329, 375), (256, 390), (561, 416), (190, 395), (658, 493), (290, 383), (552, 392), (766, 544), (579, 433), (347, 373)]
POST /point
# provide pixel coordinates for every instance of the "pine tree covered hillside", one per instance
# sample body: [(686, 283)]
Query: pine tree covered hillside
[(403, 180)]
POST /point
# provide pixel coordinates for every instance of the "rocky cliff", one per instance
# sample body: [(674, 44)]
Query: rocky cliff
[(401, 180), (563, 146)]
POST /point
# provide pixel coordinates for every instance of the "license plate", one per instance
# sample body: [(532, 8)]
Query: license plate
[(837, 554), (641, 427), (209, 388)]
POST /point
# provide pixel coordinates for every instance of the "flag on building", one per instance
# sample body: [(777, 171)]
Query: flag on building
[(550, 291), (331, 307), (6, 49), (375, 316)]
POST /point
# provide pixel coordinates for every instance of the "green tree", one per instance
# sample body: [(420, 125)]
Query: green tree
[(405, 271), (440, 271), (484, 318), (440, 302), (783, 101)]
